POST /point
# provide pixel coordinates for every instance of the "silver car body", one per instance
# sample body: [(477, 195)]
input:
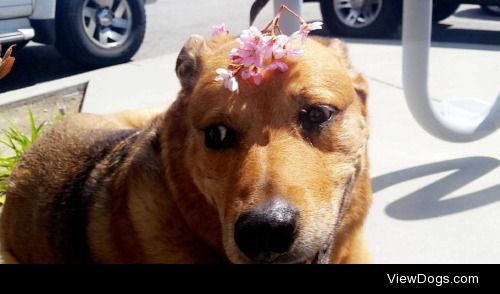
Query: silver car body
[(18, 19)]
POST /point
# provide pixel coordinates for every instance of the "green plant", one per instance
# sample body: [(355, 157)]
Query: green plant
[(17, 142)]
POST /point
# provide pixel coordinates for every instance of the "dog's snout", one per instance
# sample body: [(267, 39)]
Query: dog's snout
[(267, 231)]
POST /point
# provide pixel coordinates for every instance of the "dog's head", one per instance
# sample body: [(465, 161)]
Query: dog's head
[(277, 160)]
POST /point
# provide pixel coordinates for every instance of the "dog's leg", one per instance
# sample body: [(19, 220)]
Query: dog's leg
[(5, 257)]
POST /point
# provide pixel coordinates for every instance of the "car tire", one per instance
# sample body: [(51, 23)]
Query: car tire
[(491, 9), (383, 21), (442, 9), (109, 40), (17, 45), (21, 45)]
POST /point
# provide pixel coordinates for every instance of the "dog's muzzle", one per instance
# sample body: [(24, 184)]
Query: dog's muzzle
[(265, 234)]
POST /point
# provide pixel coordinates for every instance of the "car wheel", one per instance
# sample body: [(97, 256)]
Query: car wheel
[(362, 18), (18, 45), (491, 9), (21, 45), (442, 9), (99, 33)]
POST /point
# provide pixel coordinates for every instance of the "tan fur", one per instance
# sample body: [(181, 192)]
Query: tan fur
[(156, 194)]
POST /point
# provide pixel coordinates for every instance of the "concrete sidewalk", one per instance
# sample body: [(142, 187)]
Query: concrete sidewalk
[(434, 201)]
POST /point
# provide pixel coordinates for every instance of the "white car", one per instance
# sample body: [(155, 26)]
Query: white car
[(91, 32)]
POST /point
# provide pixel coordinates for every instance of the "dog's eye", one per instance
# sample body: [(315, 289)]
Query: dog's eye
[(218, 136), (312, 117)]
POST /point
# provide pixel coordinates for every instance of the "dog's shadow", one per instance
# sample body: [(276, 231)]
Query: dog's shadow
[(427, 201)]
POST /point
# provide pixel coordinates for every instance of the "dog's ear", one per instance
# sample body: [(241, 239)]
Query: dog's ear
[(188, 62), (360, 84)]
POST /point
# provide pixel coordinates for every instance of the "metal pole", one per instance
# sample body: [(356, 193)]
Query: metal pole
[(459, 119)]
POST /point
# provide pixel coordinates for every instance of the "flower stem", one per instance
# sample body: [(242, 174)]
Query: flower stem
[(273, 26), (284, 7)]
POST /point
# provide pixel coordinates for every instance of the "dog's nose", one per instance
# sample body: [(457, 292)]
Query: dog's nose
[(268, 231)]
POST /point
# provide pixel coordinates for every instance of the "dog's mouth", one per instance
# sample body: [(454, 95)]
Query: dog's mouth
[(320, 257), (323, 255), (285, 259), (315, 260)]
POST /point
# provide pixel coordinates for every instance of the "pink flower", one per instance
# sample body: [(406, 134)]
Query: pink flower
[(227, 76), (279, 46), (253, 72), (257, 54), (254, 48), (282, 49), (250, 38), (294, 52), (277, 65), (305, 29), (261, 51), (219, 29)]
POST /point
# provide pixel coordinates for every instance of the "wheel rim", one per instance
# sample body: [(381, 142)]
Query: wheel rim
[(494, 8), (357, 13), (107, 23)]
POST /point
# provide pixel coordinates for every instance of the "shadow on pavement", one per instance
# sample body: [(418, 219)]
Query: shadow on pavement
[(453, 37), (446, 33), (426, 202), (38, 64), (475, 13)]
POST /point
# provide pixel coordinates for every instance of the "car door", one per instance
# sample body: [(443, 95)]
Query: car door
[(15, 8)]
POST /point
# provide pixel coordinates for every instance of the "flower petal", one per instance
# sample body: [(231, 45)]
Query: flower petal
[(233, 85), (245, 74), (219, 29), (257, 79), (223, 71), (317, 25), (282, 66)]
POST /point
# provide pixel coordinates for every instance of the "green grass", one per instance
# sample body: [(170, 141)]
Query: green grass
[(17, 142)]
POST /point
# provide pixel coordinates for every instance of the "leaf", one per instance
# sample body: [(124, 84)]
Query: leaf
[(6, 66), (17, 142), (8, 53), (6, 62), (34, 133)]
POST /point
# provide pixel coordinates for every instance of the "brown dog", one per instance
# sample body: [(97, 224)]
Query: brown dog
[(277, 173)]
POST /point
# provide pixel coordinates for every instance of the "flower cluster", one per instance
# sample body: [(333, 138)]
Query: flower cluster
[(261, 51)]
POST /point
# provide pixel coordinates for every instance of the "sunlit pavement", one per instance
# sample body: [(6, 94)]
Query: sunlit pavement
[(434, 201)]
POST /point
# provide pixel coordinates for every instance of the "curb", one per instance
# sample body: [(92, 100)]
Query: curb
[(137, 84), (37, 97)]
